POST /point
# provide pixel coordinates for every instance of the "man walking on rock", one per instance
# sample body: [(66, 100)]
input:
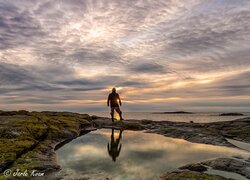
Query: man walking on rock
[(114, 102)]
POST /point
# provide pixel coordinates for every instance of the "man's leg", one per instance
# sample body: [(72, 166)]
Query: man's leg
[(119, 112), (112, 113), (120, 116)]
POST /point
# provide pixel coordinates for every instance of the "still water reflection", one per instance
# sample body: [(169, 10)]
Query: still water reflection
[(132, 155), (114, 147)]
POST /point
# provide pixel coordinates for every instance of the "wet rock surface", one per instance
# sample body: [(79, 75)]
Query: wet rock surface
[(215, 133), (241, 167), (206, 133), (190, 175), (195, 167)]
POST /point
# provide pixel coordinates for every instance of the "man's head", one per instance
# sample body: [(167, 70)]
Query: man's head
[(113, 90)]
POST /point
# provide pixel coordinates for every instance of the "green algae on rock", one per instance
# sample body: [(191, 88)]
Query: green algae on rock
[(28, 139)]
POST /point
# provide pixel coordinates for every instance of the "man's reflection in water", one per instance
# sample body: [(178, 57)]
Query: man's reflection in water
[(114, 147)]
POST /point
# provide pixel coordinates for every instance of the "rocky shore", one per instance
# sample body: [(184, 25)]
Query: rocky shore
[(239, 166), (28, 140), (215, 133)]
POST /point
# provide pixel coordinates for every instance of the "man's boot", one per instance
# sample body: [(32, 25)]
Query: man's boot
[(121, 116)]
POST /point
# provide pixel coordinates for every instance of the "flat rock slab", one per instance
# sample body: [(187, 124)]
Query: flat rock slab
[(215, 133), (241, 167), (205, 133), (190, 175), (195, 167)]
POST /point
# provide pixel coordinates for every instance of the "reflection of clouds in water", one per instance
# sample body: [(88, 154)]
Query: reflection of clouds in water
[(146, 154), (142, 156), (80, 150), (140, 171), (174, 143)]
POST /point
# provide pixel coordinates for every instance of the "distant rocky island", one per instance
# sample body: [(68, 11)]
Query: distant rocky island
[(174, 112), (231, 114), (186, 112)]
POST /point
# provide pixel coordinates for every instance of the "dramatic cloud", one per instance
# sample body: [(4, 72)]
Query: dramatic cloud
[(147, 68), (67, 54)]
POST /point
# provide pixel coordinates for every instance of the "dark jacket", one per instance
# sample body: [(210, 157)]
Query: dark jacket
[(114, 100)]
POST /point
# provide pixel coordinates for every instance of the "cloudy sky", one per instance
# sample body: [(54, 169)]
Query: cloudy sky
[(161, 55)]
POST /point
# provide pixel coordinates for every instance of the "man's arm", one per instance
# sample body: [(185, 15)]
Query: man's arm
[(108, 100), (120, 102)]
